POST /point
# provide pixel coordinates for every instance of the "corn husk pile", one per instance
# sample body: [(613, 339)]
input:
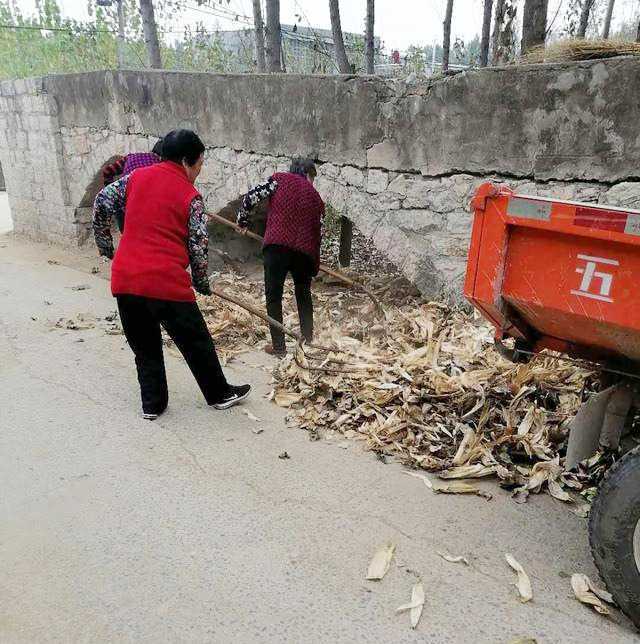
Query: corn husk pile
[(233, 329), (580, 49), (423, 385)]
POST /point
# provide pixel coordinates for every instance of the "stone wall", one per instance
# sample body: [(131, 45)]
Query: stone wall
[(401, 160)]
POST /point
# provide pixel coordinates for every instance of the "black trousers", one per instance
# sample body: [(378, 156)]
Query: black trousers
[(279, 261), (141, 319)]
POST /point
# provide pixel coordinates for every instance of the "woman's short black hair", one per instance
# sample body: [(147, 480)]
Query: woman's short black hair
[(182, 145), (305, 167), (157, 148)]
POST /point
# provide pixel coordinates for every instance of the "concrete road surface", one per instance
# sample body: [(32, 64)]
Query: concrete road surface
[(191, 529)]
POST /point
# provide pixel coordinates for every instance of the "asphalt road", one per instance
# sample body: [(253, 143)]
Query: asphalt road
[(191, 529)]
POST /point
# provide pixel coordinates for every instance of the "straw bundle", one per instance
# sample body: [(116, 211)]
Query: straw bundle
[(579, 49)]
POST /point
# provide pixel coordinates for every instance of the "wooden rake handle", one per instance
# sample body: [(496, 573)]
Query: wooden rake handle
[(324, 269)]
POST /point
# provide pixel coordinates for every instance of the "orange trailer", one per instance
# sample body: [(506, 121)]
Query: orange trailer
[(563, 276)]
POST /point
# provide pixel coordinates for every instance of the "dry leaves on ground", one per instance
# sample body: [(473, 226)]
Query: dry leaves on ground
[(416, 604), (424, 385), (380, 562), (588, 593), (524, 583), (454, 558)]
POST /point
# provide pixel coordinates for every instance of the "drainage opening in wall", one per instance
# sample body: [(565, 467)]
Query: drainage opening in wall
[(84, 210), (226, 247)]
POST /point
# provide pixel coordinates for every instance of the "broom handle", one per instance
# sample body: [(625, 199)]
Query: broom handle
[(325, 269)]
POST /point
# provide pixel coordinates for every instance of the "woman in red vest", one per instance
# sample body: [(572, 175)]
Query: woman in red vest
[(165, 233), (291, 242)]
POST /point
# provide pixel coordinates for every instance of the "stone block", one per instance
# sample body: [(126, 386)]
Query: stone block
[(352, 176), (329, 170), (420, 221), (623, 195), (377, 181), (386, 201)]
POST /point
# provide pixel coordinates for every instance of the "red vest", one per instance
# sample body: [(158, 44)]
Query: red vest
[(152, 256), (295, 215)]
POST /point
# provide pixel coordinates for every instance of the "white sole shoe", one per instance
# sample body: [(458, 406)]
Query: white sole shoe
[(238, 394)]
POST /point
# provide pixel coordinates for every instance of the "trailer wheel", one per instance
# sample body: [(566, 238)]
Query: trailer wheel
[(614, 533)]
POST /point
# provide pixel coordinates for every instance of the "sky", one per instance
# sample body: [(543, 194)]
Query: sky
[(399, 23)]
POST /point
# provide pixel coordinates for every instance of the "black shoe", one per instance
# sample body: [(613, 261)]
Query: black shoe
[(236, 395), (275, 351)]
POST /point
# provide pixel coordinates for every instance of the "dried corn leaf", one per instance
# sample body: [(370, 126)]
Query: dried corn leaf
[(286, 399), (468, 472), (441, 398), (453, 558), (524, 583), (460, 487), (557, 492), (422, 477), (381, 561), (416, 604), (587, 593)]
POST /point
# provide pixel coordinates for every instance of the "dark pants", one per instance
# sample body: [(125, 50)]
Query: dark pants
[(142, 318), (278, 262)]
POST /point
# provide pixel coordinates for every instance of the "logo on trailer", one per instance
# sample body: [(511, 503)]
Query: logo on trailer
[(596, 283)]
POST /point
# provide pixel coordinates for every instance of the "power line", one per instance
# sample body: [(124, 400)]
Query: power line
[(89, 30), (45, 28), (221, 12)]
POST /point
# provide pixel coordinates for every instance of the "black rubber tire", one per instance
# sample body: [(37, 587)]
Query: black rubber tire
[(612, 522)]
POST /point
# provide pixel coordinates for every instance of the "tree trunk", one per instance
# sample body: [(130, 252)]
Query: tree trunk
[(584, 17), (497, 25), (502, 38), (369, 38), (638, 33), (534, 24), (341, 55), (258, 28), (121, 38), (150, 33), (607, 20), (274, 55), (486, 33), (446, 41)]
